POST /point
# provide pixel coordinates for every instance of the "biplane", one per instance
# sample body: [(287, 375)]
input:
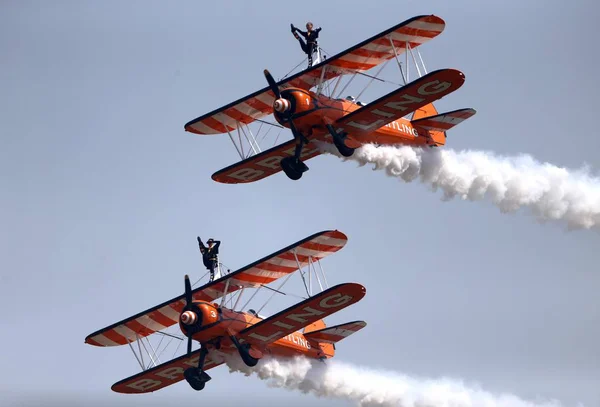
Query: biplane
[(223, 330), (301, 104)]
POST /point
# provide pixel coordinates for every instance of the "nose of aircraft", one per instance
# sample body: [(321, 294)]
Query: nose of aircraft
[(281, 105), (189, 318)]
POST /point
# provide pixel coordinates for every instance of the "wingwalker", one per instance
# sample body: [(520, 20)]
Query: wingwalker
[(222, 331), (312, 116)]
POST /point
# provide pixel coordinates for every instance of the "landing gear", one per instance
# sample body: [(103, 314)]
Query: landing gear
[(244, 350), (196, 376), (338, 141), (294, 166)]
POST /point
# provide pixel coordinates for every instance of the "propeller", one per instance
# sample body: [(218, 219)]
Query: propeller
[(188, 316), (282, 106), (272, 84)]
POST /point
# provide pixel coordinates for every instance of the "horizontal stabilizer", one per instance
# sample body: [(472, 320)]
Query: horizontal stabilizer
[(304, 313), (336, 333), (444, 121), (401, 102), (163, 375)]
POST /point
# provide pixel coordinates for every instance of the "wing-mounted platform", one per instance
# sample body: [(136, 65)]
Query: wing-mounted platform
[(304, 313), (262, 272)]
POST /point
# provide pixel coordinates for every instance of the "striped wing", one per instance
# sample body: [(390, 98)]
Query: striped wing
[(373, 51), (300, 315), (362, 57), (261, 272), (163, 375)]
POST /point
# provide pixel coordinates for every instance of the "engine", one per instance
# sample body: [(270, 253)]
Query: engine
[(291, 103), (197, 316)]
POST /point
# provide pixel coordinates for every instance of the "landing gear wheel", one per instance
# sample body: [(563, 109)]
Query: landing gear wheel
[(338, 141), (196, 378), (245, 355), (292, 168), (344, 149), (244, 351)]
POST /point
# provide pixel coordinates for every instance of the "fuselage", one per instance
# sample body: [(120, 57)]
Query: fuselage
[(313, 111), (219, 323)]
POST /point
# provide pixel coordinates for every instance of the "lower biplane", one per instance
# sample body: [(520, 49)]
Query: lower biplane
[(222, 330), (300, 104)]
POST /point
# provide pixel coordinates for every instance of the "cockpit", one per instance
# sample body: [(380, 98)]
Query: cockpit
[(255, 314), (352, 99)]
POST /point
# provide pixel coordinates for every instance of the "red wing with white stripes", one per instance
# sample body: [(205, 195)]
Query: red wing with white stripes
[(261, 272), (263, 164), (163, 375), (401, 102), (362, 57), (304, 313)]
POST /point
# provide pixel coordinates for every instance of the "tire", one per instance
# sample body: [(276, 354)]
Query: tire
[(245, 355), (192, 376), (343, 148), (287, 164)]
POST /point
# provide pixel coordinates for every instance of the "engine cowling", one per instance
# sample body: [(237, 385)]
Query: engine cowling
[(291, 103), (197, 316)]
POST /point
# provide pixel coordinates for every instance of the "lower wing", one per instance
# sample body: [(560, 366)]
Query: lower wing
[(163, 375), (262, 165)]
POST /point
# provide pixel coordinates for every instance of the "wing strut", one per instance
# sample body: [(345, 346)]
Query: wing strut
[(372, 79), (398, 60), (301, 273)]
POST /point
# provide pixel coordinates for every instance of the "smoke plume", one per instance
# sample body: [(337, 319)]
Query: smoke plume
[(370, 388), (550, 193)]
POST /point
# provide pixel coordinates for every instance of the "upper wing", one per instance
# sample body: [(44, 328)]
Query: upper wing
[(163, 375), (401, 102), (336, 333), (263, 271), (358, 58), (304, 313), (373, 51)]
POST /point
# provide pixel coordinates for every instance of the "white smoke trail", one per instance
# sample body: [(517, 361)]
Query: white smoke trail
[(511, 183), (370, 388)]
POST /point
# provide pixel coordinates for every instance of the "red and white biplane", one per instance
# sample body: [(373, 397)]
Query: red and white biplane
[(301, 104), (222, 329)]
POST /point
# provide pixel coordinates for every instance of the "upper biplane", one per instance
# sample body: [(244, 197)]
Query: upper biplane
[(300, 104), (222, 330)]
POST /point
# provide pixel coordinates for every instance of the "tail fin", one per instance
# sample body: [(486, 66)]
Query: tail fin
[(438, 138), (315, 326), (437, 124), (425, 111), (327, 337)]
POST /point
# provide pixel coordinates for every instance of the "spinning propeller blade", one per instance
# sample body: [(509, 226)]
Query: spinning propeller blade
[(188, 301), (272, 84)]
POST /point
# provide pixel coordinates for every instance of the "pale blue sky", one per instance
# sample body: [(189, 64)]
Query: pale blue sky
[(103, 193)]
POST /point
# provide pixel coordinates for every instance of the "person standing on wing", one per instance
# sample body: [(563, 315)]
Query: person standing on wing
[(210, 255), (310, 47)]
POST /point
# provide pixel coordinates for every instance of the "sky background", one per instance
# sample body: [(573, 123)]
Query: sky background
[(103, 193)]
